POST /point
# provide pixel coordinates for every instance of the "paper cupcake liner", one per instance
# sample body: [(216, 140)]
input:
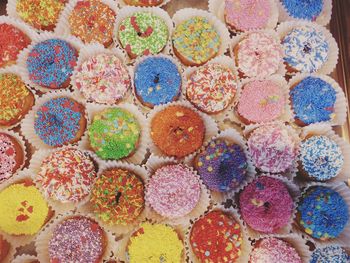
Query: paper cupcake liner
[(211, 128), (43, 238), (24, 258), (322, 19), (138, 156), (92, 50), (21, 240), (35, 167), (217, 7), (284, 28), (245, 247), (63, 26), (23, 56), (187, 13), (343, 238), (121, 3), (203, 203), (27, 127), (127, 11), (341, 105), (286, 115), (239, 37)]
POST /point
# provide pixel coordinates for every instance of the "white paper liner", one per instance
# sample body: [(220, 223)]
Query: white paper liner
[(127, 11), (284, 28), (187, 13), (245, 247), (340, 106), (326, 130), (211, 128), (322, 19), (286, 115), (23, 56), (24, 259), (140, 152), (43, 238), (35, 167), (27, 127), (21, 240), (63, 26), (121, 3), (344, 237), (239, 37), (217, 7), (95, 49)]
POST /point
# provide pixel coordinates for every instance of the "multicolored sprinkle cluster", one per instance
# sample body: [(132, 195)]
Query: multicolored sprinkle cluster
[(330, 254), (7, 157)]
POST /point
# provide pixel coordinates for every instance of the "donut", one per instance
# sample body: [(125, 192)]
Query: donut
[(266, 205), (50, 63), (67, 175), (305, 49), (322, 213), (103, 78), (258, 54), (222, 165), (244, 15), (261, 101), (196, 41), (157, 80), (16, 99), (329, 253), (216, 237), (173, 191), (303, 9), (143, 33), (92, 21), (177, 131), (143, 2), (40, 14), (117, 196), (12, 42), (77, 239), (60, 121), (211, 88), (312, 100), (114, 133)]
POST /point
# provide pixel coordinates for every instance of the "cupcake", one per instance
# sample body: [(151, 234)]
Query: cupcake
[(322, 213), (222, 165), (12, 41), (66, 175), (330, 254), (143, 33), (4, 249), (16, 99), (266, 205), (117, 196), (216, 237), (50, 63), (306, 49), (177, 130), (273, 249), (114, 133), (304, 9), (40, 14), (258, 54), (144, 3), (23, 210), (313, 100), (60, 121), (321, 158), (92, 21), (155, 243), (273, 148), (261, 101), (12, 156), (212, 88), (196, 41), (173, 191), (157, 81), (77, 239), (103, 78)]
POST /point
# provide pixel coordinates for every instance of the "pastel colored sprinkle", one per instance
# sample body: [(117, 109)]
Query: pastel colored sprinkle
[(330, 254)]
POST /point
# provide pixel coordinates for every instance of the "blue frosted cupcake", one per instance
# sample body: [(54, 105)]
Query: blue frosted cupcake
[(303, 9), (157, 81), (313, 100), (330, 254)]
